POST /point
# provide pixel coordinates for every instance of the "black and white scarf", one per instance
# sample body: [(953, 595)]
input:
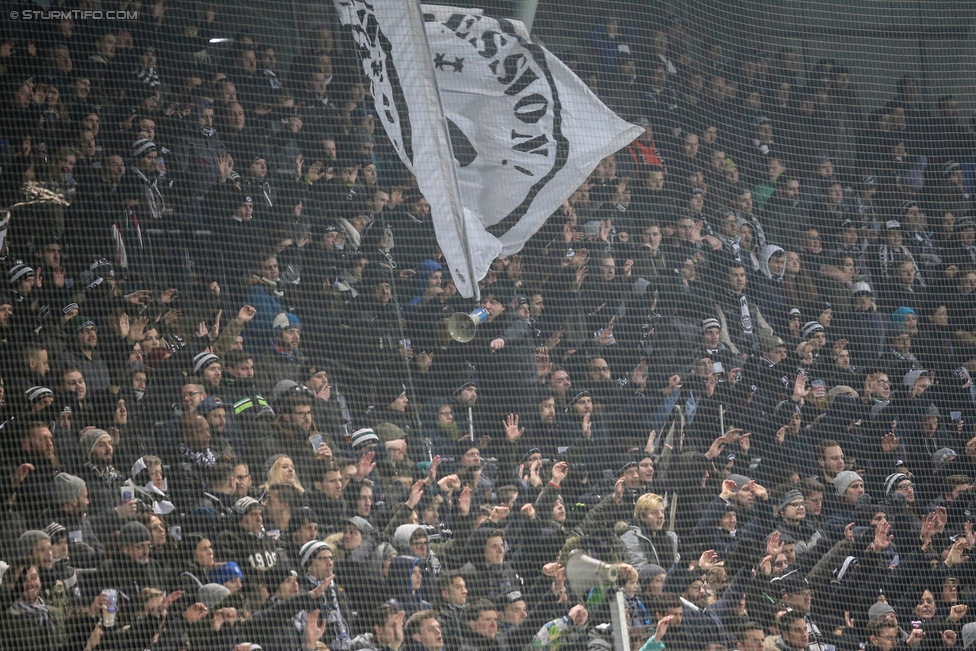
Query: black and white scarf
[(905, 357), (148, 76), (154, 198), (745, 317), (332, 616), (205, 459), (108, 474)]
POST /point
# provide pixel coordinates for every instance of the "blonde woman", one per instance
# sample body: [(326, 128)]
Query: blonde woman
[(280, 469)]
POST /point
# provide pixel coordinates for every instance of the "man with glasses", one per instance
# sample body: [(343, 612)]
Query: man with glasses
[(884, 635), (191, 396), (601, 385), (792, 524), (295, 434), (244, 480), (877, 392)]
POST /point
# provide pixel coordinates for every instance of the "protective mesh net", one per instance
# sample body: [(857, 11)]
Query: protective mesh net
[(721, 396)]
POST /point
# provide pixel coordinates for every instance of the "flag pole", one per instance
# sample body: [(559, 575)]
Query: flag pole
[(526, 13), (447, 167)]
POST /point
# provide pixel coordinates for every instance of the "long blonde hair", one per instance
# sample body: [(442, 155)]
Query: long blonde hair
[(277, 476)]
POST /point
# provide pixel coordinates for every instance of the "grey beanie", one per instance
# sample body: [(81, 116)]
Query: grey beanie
[(87, 441), (27, 540), (969, 635), (67, 488), (648, 573), (211, 594), (282, 388), (740, 480), (879, 609), (134, 533), (843, 481)]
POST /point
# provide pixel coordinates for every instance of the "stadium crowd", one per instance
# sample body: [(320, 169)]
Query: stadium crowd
[(736, 363)]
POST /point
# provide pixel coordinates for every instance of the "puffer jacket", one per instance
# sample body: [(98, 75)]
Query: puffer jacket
[(641, 548)]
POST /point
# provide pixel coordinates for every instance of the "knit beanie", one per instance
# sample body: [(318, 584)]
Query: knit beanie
[(78, 323), (310, 550), (211, 594), (134, 533), (879, 609), (648, 573), (843, 481), (285, 321), (893, 480), (18, 272), (35, 394), (363, 437), (56, 531), (202, 360), (389, 432), (27, 540), (740, 480), (67, 488), (87, 441), (270, 462), (226, 572)]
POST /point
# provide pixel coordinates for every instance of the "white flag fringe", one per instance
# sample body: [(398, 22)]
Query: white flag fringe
[(497, 130)]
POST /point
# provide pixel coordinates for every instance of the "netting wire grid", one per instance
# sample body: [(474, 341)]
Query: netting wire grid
[(552, 325)]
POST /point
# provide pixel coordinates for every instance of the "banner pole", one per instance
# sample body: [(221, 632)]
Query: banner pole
[(417, 15), (526, 13)]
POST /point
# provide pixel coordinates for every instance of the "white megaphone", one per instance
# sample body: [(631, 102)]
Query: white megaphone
[(585, 573), (463, 327)]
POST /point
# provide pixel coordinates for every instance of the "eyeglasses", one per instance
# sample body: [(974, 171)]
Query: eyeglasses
[(192, 394), (797, 505)]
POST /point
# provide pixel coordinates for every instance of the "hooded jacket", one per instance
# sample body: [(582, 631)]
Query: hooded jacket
[(401, 584), (424, 271), (431, 564), (769, 291)]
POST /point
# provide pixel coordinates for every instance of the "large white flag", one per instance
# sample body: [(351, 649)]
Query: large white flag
[(496, 129)]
